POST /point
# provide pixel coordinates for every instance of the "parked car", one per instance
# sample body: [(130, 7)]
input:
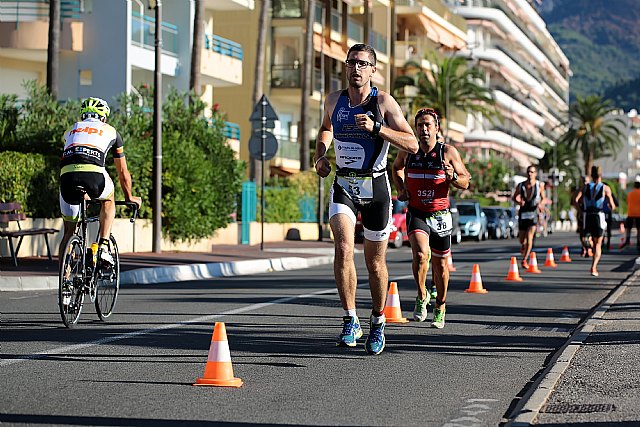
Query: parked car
[(456, 233), (473, 222), (497, 222), (398, 235), (512, 221)]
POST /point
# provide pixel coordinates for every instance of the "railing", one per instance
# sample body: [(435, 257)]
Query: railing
[(287, 9), (378, 42), (223, 46), (31, 10), (231, 130), (142, 33), (288, 148), (335, 82), (285, 76)]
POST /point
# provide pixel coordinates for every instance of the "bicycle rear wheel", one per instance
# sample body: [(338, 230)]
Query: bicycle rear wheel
[(71, 278), (108, 283)]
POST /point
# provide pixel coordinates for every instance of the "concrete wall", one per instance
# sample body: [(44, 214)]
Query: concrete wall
[(140, 238)]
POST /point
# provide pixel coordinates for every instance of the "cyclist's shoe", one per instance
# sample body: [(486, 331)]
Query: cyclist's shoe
[(420, 310), (434, 292), (351, 331), (375, 341), (106, 257), (524, 264), (438, 318)]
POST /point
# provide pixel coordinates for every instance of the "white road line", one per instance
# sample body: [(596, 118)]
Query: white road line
[(76, 347)]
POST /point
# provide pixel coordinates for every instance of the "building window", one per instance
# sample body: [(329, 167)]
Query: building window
[(288, 9), (86, 77)]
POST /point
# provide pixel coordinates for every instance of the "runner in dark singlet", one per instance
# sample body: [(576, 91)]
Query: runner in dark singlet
[(363, 121), (424, 179), (529, 195)]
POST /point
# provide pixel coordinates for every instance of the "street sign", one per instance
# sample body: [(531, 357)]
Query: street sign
[(270, 145), (257, 124), (263, 106)]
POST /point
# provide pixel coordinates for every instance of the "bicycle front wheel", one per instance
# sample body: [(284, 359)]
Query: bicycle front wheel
[(108, 283), (71, 278)]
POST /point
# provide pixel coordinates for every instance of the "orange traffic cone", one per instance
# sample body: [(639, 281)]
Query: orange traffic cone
[(533, 264), (565, 255), (550, 261), (219, 371), (513, 274), (623, 241), (475, 285), (392, 310), (450, 262)]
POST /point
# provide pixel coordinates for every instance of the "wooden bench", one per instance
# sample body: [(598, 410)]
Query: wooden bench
[(12, 212)]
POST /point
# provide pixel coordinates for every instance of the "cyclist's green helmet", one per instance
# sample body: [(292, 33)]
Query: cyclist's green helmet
[(97, 106)]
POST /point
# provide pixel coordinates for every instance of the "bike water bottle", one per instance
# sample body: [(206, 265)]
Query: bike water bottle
[(94, 252)]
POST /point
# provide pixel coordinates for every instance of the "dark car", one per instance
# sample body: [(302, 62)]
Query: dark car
[(456, 233), (512, 222), (496, 222)]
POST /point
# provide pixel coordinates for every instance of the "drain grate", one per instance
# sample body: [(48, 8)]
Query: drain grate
[(567, 408), (527, 328)]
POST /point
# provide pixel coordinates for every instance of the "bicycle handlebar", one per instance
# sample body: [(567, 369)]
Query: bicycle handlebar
[(133, 207)]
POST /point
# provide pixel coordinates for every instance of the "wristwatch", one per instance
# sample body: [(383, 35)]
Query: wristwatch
[(454, 178)]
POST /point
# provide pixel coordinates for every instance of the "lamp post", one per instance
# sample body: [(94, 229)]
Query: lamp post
[(156, 204)]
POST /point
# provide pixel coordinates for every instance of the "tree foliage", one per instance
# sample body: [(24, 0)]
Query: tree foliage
[(593, 130)]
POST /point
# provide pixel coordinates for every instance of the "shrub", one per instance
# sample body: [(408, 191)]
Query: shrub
[(32, 180)]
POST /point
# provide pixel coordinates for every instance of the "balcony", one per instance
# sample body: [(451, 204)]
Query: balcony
[(231, 131), (286, 76), (288, 156), (33, 10), (221, 64), (143, 44)]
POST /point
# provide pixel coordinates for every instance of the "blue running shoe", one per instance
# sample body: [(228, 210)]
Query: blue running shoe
[(351, 331), (375, 341)]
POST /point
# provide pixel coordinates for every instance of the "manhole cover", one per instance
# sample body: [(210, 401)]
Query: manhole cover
[(566, 408)]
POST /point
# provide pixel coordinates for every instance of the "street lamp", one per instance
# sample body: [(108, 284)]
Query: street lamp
[(156, 202)]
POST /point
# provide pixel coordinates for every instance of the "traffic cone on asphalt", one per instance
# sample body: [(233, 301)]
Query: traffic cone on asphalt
[(450, 262), (623, 241), (392, 309), (219, 371), (550, 261), (565, 255), (533, 264), (513, 274), (475, 285)]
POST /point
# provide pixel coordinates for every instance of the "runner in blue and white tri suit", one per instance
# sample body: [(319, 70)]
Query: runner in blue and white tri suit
[(362, 121)]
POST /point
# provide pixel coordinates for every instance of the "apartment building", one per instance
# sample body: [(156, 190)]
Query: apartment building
[(528, 73), (624, 165), (399, 30), (108, 48)]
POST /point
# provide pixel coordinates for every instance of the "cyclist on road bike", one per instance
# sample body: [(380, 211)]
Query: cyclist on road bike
[(83, 164)]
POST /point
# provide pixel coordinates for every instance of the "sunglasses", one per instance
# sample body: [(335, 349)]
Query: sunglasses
[(358, 62)]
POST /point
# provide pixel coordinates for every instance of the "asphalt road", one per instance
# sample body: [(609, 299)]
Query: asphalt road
[(138, 368)]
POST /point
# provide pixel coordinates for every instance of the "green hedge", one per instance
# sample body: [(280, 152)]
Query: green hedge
[(32, 180)]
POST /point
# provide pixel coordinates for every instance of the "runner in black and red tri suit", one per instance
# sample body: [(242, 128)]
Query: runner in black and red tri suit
[(424, 179)]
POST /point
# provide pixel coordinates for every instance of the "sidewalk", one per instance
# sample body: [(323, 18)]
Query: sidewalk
[(38, 273)]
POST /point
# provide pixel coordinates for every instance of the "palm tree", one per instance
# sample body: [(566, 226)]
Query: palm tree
[(53, 47), (450, 84), (593, 130), (196, 50)]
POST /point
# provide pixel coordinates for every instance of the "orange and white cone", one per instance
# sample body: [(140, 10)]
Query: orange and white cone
[(565, 255), (513, 274), (550, 261), (450, 265), (219, 371), (475, 285), (392, 309), (533, 264), (623, 241)]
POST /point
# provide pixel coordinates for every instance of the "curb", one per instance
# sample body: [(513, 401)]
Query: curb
[(536, 397), (176, 273)]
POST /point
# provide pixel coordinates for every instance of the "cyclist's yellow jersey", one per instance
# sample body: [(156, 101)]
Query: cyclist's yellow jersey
[(88, 141)]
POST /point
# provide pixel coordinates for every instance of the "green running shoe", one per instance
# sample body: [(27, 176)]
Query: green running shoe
[(438, 318), (420, 310)]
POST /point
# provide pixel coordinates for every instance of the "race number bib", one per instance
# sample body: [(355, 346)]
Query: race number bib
[(528, 215), (441, 223), (357, 187)]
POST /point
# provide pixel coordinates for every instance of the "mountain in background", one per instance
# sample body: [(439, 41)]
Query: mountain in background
[(601, 38)]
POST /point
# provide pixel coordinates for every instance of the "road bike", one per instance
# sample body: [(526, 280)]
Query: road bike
[(84, 273)]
